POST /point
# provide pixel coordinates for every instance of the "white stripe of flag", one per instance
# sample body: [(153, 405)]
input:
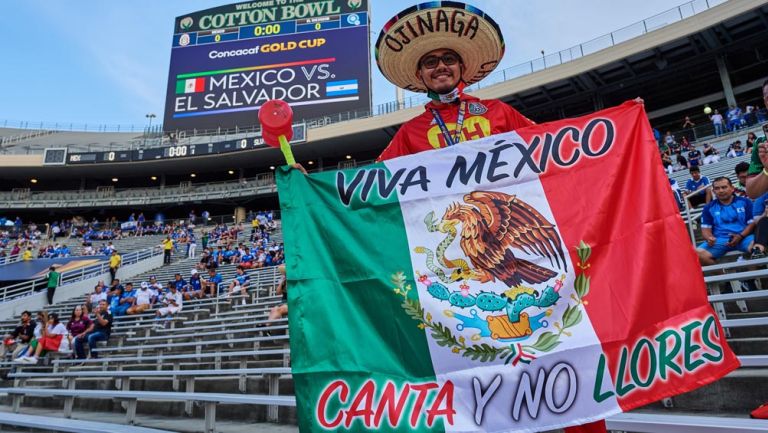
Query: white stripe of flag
[(338, 88)]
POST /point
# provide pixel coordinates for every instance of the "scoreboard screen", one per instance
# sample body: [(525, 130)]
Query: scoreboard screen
[(227, 61), (179, 150)]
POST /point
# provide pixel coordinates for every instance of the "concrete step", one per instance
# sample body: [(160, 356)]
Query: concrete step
[(740, 392)]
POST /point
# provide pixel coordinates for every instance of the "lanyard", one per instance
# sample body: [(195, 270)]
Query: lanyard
[(455, 138)]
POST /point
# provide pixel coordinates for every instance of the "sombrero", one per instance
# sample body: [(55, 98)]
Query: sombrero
[(415, 31)]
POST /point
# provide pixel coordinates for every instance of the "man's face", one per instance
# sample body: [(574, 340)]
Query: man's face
[(765, 96), (696, 175), (723, 190), (742, 177), (103, 306), (25, 318), (434, 72)]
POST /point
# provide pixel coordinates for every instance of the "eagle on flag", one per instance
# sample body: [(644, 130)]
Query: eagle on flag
[(492, 223)]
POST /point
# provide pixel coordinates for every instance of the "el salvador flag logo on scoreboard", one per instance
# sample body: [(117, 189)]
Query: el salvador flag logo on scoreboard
[(340, 88)]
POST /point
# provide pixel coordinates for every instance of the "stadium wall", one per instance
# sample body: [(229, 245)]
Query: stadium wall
[(37, 301)]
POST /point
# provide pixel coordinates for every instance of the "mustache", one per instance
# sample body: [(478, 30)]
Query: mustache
[(443, 70)]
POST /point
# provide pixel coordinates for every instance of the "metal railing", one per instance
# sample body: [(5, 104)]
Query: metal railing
[(28, 288), (640, 28)]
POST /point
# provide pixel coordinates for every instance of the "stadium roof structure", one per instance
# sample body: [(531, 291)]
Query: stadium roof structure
[(675, 68)]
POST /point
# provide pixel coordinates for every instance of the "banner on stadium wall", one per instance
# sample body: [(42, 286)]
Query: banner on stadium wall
[(516, 283), (227, 61)]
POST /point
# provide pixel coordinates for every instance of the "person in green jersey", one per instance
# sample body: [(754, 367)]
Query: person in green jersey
[(757, 184), (53, 282)]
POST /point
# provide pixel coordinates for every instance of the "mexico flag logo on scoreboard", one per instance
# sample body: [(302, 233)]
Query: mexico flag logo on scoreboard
[(515, 283)]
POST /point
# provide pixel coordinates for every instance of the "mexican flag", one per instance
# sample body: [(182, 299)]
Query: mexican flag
[(191, 85), (521, 282)]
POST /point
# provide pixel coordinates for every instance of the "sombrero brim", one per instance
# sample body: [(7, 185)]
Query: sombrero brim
[(441, 24)]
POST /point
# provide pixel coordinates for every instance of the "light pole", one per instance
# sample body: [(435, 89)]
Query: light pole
[(150, 116)]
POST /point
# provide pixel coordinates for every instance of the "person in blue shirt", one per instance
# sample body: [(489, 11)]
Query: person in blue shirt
[(179, 282), (247, 260), (123, 301), (211, 286), (228, 255), (696, 182), (240, 283), (194, 287), (726, 224)]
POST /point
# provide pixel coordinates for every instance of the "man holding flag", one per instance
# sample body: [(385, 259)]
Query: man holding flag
[(442, 63)]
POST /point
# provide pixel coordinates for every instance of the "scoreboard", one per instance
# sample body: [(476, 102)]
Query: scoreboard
[(227, 61), (176, 151)]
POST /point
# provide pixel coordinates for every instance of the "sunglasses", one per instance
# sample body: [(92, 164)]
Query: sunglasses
[(448, 59)]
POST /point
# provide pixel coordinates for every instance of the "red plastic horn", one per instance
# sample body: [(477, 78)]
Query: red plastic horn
[(276, 119)]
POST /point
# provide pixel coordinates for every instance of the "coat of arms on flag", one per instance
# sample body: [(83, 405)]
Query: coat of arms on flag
[(515, 283)]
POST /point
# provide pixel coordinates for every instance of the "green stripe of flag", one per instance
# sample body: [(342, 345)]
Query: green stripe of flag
[(180, 86), (345, 318)]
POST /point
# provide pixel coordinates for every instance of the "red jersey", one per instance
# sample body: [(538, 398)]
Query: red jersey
[(481, 119)]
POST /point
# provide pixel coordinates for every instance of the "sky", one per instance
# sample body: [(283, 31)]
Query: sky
[(106, 61)]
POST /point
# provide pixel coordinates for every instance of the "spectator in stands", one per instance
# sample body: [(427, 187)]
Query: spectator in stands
[(179, 282), (247, 259), (114, 263), (694, 157), (27, 254), (114, 288), (711, 155), (696, 183), (191, 245), (77, 325), (18, 340), (762, 114), (750, 114), (751, 140), (726, 224), (53, 282), (717, 122), (685, 145), (194, 288), (211, 285), (239, 283), (671, 142), (735, 150), (125, 301), (687, 127), (99, 294), (173, 302), (741, 171), (280, 311), (757, 184), (142, 301), (734, 118), (167, 248), (204, 239), (99, 330), (51, 340)]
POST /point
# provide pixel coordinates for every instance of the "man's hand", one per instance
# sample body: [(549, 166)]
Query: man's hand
[(762, 152), (735, 240), (711, 241), (299, 167)]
